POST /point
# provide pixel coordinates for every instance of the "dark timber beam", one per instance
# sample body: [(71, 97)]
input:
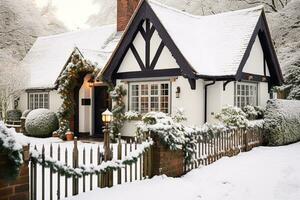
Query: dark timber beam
[(157, 55), (137, 57)]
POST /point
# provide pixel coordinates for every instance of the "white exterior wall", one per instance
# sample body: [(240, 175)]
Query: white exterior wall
[(55, 101), (214, 100), (165, 61), (263, 95), (84, 110), (255, 62), (192, 101), (217, 98)]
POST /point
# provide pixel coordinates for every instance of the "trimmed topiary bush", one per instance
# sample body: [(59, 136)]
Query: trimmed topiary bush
[(282, 122), (41, 123), (14, 115)]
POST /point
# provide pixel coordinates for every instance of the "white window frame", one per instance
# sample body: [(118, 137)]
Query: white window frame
[(159, 95), (251, 95), (37, 100)]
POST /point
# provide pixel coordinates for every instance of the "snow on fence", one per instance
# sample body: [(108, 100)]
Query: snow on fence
[(226, 143), (54, 182)]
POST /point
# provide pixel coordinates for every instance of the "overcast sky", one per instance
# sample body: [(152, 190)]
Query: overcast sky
[(73, 13)]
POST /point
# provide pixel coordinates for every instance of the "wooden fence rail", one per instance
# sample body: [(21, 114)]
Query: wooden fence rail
[(46, 184), (226, 143)]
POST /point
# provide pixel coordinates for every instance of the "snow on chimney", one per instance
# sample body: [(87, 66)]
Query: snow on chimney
[(125, 9)]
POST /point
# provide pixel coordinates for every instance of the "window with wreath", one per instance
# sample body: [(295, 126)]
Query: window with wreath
[(245, 94), (146, 97), (38, 100)]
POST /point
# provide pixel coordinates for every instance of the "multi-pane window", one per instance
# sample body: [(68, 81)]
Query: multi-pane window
[(146, 97), (245, 94), (38, 100)]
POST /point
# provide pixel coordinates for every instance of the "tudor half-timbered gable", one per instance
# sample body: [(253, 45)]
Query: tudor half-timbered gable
[(168, 59)]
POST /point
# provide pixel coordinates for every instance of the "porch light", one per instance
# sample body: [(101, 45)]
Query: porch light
[(107, 116), (177, 92)]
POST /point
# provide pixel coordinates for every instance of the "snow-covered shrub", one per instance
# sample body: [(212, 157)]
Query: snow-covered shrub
[(41, 123), (292, 81), (25, 113), (179, 115), (13, 150), (13, 115), (250, 112), (233, 116), (260, 112), (170, 133), (282, 122), (132, 115)]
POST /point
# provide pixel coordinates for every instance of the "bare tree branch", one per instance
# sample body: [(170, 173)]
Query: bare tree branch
[(272, 6)]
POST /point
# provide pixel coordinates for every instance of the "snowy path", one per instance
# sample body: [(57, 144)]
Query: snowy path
[(265, 173)]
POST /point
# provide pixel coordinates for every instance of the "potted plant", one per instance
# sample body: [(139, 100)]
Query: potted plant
[(69, 135), (131, 119)]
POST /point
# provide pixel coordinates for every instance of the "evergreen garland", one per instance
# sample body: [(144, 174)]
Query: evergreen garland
[(13, 150), (63, 169), (117, 94), (68, 80)]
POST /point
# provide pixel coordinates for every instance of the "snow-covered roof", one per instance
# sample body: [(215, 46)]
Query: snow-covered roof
[(213, 45), (47, 57)]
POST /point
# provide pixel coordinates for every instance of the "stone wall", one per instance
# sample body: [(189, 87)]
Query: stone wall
[(17, 189)]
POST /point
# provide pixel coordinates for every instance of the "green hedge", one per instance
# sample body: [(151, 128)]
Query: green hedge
[(282, 122)]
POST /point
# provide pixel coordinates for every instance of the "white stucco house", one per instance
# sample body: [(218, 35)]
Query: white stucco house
[(165, 59)]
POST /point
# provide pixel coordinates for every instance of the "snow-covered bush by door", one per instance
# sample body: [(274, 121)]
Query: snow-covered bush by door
[(233, 116), (282, 122), (13, 115), (41, 123)]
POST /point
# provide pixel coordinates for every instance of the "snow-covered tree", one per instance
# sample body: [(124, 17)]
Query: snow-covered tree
[(10, 88), (292, 81)]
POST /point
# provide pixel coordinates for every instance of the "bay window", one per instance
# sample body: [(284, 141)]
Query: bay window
[(153, 96)]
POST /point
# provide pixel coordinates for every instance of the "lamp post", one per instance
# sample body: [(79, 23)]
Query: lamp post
[(106, 118)]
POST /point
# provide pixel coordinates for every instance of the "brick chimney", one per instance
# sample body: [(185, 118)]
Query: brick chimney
[(125, 9)]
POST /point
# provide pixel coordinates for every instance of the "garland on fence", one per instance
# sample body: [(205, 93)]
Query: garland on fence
[(67, 83), (12, 149), (117, 94), (176, 136), (66, 170)]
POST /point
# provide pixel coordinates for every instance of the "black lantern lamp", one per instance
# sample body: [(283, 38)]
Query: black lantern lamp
[(107, 117)]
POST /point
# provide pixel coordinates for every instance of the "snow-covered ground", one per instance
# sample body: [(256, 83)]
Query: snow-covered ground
[(265, 173)]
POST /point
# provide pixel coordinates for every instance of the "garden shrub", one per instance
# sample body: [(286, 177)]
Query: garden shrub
[(14, 115), (233, 116), (41, 123), (250, 112), (25, 113), (282, 122)]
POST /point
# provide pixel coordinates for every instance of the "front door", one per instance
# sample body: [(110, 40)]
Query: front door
[(102, 102)]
